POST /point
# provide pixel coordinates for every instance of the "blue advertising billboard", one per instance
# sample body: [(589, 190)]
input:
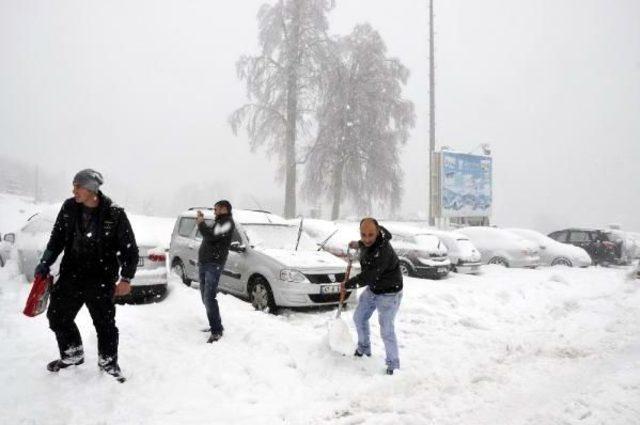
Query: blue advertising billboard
[(466, 186)]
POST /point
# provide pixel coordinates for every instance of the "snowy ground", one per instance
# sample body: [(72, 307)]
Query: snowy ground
[(548, 346)]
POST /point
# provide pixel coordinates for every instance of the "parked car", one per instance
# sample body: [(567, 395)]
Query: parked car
[(463, 255), (151, 280), (421, 253), (598, 244), (271, 262), (6, 245), (498, 246), (554, 253)]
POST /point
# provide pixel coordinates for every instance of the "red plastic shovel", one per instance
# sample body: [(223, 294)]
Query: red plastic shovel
[(39, 295)]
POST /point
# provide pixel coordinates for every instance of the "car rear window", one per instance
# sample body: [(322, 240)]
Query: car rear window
[(579, 237)]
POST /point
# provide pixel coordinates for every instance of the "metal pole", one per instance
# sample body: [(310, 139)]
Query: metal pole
[(432, 115)]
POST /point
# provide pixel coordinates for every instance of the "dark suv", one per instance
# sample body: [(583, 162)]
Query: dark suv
[(599, 244)]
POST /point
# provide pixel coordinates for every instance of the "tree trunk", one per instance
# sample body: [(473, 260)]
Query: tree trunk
[(293, 55), (337, 190)]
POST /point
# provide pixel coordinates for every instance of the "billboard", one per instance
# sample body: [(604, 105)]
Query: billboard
[(465, 185)]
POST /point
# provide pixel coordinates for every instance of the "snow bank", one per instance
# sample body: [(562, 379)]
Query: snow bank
[(546, 346)]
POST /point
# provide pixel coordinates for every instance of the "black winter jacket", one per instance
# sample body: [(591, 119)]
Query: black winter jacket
[(216, 240), (380, 267), (111, 249)]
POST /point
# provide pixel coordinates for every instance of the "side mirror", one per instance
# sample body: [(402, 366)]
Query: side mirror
[(237, 247), (10, 237)]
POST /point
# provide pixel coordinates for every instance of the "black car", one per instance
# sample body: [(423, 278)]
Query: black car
[(601, 247)]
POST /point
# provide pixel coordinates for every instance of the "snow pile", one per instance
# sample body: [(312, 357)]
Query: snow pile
[(511, 346)]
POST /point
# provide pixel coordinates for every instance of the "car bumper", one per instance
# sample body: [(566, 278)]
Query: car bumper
[(468, 268), (288, 294), (144, 293), (432, 272)]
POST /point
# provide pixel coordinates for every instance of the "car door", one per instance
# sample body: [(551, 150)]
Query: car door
[(235, 269)]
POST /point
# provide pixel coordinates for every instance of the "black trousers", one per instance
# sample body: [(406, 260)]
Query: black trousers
[(67, 298)]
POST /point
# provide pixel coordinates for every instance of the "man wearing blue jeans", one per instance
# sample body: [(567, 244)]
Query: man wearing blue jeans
[(380, 273), (212, 256)]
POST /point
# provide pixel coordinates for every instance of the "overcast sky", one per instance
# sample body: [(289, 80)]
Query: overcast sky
[(141, 90)]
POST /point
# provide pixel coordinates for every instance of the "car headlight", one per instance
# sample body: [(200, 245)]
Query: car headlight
[(293, 276)]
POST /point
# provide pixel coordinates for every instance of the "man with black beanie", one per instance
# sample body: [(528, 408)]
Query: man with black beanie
[(99, 250)]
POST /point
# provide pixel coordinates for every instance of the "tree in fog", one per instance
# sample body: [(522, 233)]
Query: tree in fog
[(282, 82), (362, 122)]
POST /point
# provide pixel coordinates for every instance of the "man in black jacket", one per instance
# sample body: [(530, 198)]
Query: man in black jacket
[(380, 273), (212, 256), (98, 242)]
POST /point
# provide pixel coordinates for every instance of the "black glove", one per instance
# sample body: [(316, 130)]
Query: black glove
[(42, 269)]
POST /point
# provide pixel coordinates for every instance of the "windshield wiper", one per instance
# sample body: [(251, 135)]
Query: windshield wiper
[(299, 232), (324, 242)]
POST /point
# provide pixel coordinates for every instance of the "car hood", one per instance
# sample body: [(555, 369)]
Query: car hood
[(304, 260)]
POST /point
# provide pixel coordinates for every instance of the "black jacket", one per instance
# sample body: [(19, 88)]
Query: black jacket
[(380, 267), (100, 255), (216, 240)]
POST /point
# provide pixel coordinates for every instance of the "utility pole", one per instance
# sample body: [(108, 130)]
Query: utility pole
[(432, 116)]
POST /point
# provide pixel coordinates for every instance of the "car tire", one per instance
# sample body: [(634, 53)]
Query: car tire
[(261, 296), (1, 261), (406, 269), (562, 261), (178, 268), (500, 261)]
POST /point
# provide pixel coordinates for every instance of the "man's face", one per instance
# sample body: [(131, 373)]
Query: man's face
[(220, 210), (81, 194), (368, 233)]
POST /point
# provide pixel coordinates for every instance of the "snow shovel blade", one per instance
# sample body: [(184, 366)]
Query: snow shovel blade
[(340, 339)]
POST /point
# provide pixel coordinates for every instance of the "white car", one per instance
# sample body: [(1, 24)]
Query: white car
[(498, 246), (554, 253), (464, 256), (151, 280), (271, 262)]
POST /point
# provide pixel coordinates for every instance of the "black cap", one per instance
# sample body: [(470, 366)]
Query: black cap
[(224, 203)]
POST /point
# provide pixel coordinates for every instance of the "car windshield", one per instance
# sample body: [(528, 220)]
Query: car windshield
[(429, 242), (278, 237)]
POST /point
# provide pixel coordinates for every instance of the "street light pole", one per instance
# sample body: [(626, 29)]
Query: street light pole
[(432, 116)]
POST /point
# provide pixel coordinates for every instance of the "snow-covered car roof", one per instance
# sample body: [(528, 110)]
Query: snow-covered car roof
[(240, 216)]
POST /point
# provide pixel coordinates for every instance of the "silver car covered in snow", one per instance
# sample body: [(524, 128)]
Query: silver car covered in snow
[(271, 262)]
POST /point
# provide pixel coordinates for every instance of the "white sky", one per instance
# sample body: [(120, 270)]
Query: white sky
[(141, 90)]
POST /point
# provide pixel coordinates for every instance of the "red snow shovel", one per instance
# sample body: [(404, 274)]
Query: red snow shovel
[(339, 336), (39, 295)]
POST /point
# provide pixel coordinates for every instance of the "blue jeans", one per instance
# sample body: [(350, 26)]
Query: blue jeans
[(387, 306), (209, 278)]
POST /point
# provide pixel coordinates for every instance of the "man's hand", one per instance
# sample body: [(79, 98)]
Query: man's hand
[(123, 288), (41, 270), (199, 217), (354, 244)]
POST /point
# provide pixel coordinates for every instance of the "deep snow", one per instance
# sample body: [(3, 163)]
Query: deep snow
[(547, 346)]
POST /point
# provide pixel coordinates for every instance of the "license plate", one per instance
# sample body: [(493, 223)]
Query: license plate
[(141, 262), (329, 289), (442, 269)]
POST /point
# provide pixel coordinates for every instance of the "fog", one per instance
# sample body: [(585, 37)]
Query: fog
[(142, 91)]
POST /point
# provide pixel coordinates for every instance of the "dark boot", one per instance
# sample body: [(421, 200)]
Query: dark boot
[(357, 353), (56, 365), (110, 366), (214, 337)]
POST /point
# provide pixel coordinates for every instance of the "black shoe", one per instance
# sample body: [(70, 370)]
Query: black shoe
[(389, 371), (111, 367), (214, 337), (205, 330), (357, 353), (56, 365)]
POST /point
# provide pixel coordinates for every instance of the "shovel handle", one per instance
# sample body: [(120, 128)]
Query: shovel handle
[(343, 291)]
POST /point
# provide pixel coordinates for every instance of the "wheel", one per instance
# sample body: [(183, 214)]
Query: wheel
[(261, 296), (561, 261), (178, 268), (405, 268), (500, 261)]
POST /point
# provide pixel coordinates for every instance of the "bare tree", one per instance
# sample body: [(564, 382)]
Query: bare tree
[(282, 82), (362, 122)]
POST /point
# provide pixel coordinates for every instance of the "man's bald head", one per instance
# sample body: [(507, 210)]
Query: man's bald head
[(369, 231)]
